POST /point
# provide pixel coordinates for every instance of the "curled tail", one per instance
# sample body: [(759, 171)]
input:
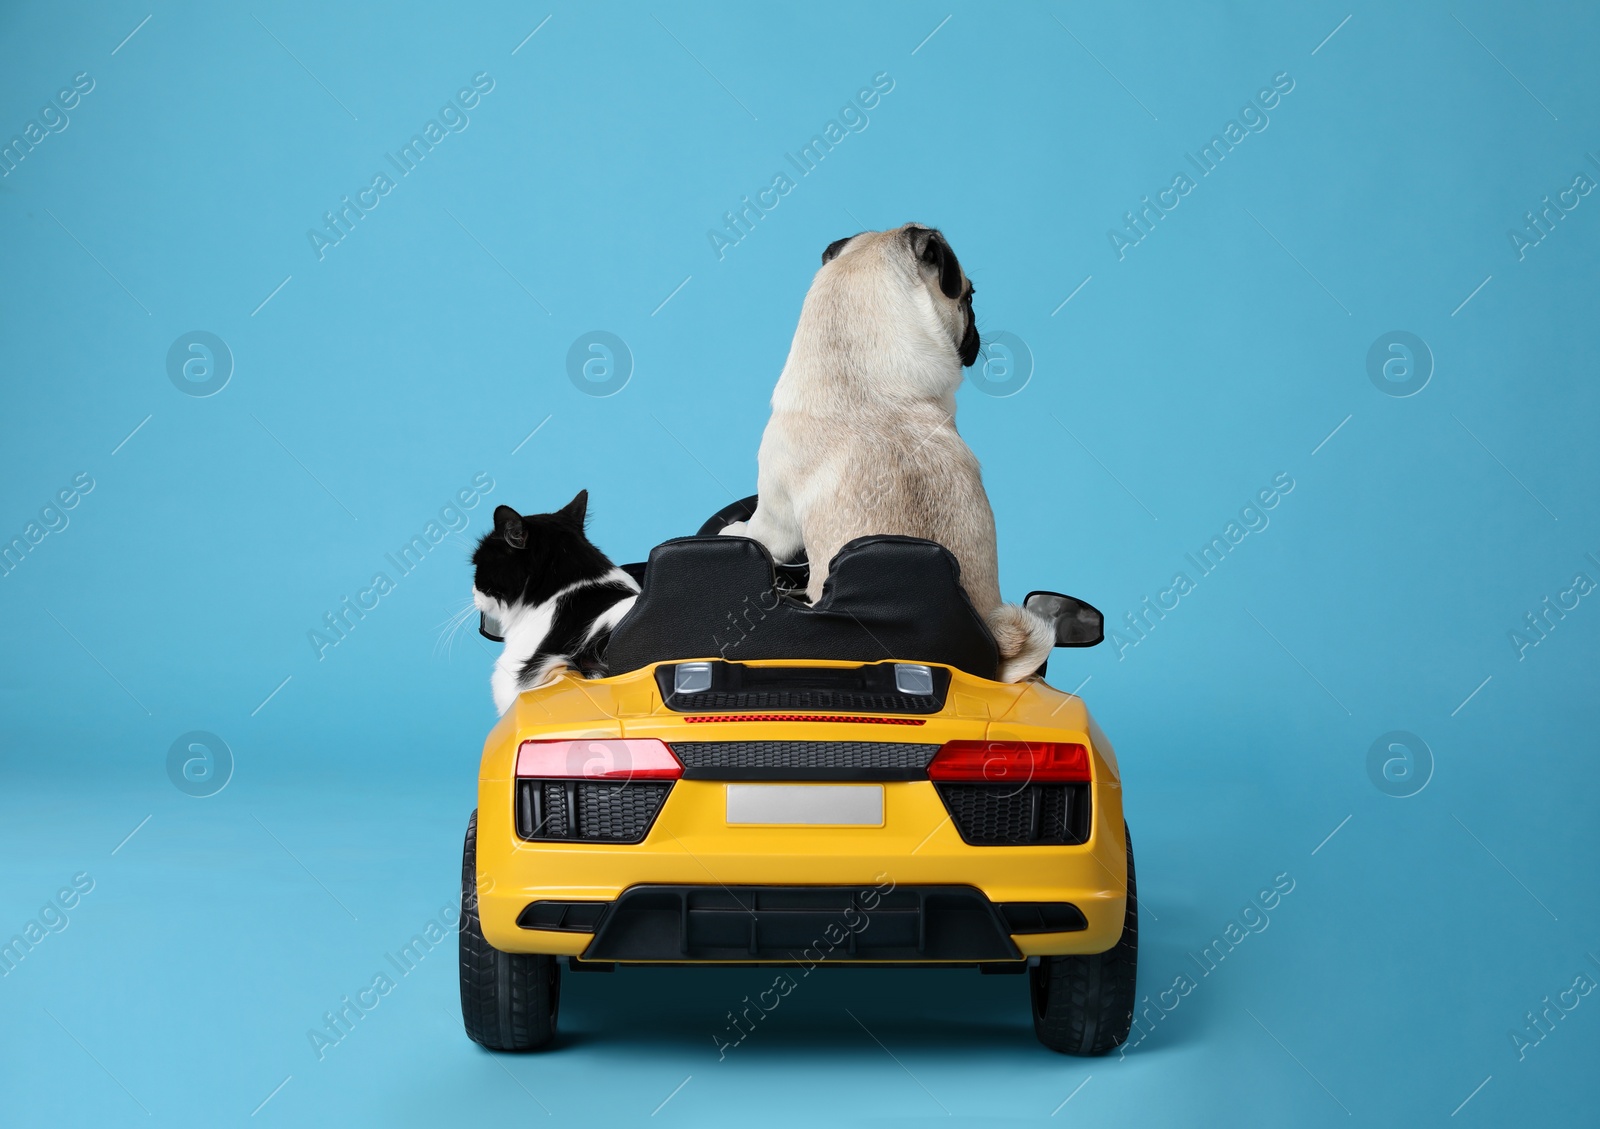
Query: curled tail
[(1024, 638)]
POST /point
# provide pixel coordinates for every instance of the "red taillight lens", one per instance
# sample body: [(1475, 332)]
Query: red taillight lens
[(634, 758), (1011, 762)]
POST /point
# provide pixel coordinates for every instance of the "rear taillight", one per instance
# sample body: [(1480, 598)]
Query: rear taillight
[(618, 759), (1010, 762)]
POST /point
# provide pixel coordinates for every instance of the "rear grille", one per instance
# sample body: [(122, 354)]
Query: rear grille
[(992, 815), (804, 760), (803, 700), (860, 689), (588, 810)]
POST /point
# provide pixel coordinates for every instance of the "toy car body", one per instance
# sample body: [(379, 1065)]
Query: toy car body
[(764, 782)]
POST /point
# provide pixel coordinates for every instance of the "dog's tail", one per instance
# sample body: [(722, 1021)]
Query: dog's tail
[(1024, 638)]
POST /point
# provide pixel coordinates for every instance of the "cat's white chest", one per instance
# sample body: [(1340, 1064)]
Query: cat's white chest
[(503, 683), (524, 637)]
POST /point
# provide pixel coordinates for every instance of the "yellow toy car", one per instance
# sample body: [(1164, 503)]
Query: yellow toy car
[(762, 781)]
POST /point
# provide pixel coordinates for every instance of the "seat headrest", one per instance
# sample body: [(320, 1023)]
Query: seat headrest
[(886, 598)]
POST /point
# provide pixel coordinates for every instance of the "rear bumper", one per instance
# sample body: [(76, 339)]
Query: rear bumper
[(693, 859)]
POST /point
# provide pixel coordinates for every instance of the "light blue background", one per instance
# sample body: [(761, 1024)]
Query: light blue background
[(1221, 351)]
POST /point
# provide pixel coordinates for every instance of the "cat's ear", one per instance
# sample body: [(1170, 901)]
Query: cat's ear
[(576, 510), (508, 524)]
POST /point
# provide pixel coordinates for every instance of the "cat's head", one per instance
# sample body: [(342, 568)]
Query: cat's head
[(527, 558)]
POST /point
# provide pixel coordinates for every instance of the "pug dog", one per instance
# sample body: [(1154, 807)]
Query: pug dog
[(862, 438)]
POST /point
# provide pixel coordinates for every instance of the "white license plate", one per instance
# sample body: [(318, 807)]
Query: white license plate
[(835, 805)]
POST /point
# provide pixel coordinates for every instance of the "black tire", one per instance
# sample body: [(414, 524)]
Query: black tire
[(1083, 1005), (508, 1000)]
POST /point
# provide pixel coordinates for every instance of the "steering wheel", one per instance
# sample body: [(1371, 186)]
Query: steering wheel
[(791, 575)]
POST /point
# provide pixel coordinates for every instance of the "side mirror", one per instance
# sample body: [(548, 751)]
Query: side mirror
[(1077, 624)]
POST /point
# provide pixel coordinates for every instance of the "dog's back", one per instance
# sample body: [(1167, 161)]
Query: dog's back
[(862, 438), (902, 471)]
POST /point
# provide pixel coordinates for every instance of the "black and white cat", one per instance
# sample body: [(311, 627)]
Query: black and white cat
[(555, 595)]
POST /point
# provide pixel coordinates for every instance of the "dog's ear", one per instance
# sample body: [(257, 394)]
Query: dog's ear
[(938, 255), (970, 345), (508, 524), (831, 252)]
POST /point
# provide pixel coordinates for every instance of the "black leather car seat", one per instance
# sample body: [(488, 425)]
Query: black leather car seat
[(886, 598)]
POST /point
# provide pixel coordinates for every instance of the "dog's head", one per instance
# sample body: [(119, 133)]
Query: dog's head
[(912, 262)]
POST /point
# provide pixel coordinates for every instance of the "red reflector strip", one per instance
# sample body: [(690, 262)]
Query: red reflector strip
[(699, 718)]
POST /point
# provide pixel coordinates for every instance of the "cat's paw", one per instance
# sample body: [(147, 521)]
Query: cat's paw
[(737, 529)]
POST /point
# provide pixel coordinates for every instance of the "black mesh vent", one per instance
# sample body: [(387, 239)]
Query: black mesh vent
[(860, 689), (843, 701), (1053, 814), (804, 754), (553, 819), (589, 810), (994, 815), (804, 760), (620, 813)]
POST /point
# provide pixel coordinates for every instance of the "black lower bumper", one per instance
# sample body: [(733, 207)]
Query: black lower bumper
[(810, 924)]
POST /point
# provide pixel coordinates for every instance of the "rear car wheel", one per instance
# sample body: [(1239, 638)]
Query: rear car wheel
[(1083, 1005), (508, 1000)]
